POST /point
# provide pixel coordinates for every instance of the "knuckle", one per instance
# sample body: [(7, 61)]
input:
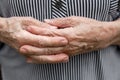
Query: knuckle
[(42, 52), (41, 43), (48, 51)]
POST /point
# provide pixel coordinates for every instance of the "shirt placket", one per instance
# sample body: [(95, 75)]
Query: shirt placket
[(59, 8)]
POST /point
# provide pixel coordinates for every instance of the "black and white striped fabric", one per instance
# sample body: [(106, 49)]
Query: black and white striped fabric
[(97, 65), (59, 8)]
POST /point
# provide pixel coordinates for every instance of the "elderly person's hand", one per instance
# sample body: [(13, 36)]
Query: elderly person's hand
[(13, 33), (83, 34)]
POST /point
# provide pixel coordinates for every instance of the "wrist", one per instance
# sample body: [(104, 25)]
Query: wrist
[(115, 27), (3, 25)]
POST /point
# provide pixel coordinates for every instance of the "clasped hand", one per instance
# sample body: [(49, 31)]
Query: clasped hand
[(13, 32), (83, 35)]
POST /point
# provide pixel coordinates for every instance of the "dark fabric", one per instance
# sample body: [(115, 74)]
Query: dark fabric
[(0, 74), (119, 5), (1, 45), (4, 8), (4, 12), (119, 8)]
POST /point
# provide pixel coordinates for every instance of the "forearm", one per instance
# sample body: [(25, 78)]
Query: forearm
[(116, 25), (2, 27)]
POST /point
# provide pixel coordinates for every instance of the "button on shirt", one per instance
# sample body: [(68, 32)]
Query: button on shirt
[(58, 4), (96, 65)]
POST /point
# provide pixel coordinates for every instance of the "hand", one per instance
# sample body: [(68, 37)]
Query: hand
[(13, 33), (83, 34)]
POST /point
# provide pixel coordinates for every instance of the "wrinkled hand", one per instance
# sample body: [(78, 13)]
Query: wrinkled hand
[(14, 34), (83, 34)]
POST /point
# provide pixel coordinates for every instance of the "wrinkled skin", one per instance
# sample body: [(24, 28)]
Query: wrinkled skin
[(13, 32), (83, 34)]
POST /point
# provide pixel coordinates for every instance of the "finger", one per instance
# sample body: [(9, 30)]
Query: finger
[(48, 58), (43, 41), (28, 21), (40, 31), (63, 22), (32, 50), (50, 32)]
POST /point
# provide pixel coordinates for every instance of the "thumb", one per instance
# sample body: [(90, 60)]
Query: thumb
[(63, 22)]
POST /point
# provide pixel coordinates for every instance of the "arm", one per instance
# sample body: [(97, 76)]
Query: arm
[(2, 25), (116, 25)]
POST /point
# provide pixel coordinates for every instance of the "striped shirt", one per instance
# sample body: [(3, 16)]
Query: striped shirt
[(96, 65)]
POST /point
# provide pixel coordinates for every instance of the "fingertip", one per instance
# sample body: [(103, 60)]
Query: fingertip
[(33, 29), (23, 49), (64, 57), (30, 28), (65, 61), (29, 60)]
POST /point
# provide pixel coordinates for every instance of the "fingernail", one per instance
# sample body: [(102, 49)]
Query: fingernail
[(66, 59), (24, 50)]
